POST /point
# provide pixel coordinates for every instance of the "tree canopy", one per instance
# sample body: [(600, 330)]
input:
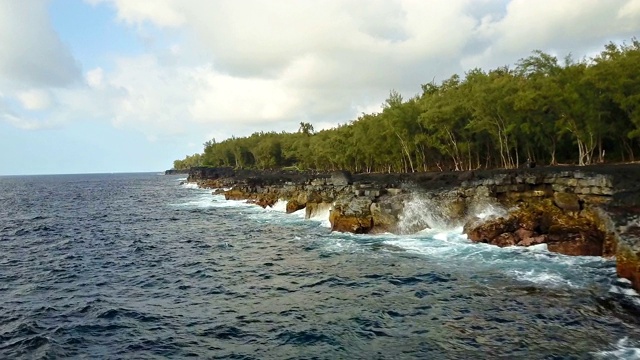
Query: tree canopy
[(545, 110)]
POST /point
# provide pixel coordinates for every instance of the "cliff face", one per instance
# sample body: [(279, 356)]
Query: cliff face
[(575, 211), (177, 172)]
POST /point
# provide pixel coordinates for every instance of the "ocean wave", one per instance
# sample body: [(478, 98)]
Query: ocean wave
[(146, 269), (542, 277), (188, 185), (624, 349)]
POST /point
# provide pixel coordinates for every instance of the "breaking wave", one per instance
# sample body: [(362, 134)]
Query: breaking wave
[(141, 267)]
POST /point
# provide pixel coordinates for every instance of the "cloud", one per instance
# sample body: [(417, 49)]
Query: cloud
[(32, 54), (35, 99), (631, 10), (20, 120), (94, 77), (157, 11), (234, 67), (557, 26), (25, 123)]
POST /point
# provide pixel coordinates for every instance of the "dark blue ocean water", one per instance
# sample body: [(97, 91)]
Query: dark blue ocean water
[(128, 266)]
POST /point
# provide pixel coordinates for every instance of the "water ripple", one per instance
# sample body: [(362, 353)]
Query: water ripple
[(136, 266)]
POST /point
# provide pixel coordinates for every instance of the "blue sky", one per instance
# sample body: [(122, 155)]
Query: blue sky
[(131, 85)]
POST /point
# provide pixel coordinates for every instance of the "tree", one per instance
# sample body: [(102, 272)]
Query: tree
[(543, 110), (305, 128)]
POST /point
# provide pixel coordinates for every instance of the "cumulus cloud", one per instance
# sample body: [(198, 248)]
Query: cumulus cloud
[(34, 99), (242, 66), (157, 11), (94, 77), (559, 26), (280, 61), (631, 10), (23, 121), (32, 54)]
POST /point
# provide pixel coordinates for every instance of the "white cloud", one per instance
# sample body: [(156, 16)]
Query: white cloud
[(25, 123), (32, 54), (222, 97), (242, 66), (21, 121), (631, 10), (94, 77), (34, 99), (157, 11), (560, 26)]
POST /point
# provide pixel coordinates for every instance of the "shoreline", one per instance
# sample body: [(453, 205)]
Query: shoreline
[(592, 210)]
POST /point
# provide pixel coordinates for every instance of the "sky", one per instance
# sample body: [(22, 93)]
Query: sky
[(91, 86)]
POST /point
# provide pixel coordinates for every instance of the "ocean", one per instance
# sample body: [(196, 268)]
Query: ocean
[(141, 266)]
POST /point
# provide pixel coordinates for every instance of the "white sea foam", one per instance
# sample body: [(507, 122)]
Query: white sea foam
[(487, 209), (537, 248), (433, 242), (300, 213), (623, 286), (542, 277), (204, 200), (623, 291), (321, 214), (219, 201), (418, 246), (622, 350), (187, 185), (421, 212), (449, 245), (279, 206)]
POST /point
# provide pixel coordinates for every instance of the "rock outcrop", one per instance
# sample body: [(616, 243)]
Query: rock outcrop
[(177, 172), (568, 232), (574, 210)]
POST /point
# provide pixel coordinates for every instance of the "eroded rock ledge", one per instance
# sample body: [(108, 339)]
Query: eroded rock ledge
[(574, 210)]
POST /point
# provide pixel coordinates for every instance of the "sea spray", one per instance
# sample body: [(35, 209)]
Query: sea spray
[(484, 208), (188, 185), (444, 211), (421, 212), (280, 206), (318, 212), (623, 349)]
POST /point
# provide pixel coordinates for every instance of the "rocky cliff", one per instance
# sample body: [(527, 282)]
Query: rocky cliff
[(591, 211), (177, 172)]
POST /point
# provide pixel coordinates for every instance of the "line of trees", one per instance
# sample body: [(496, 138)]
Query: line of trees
[(546, 110), (188, 162)]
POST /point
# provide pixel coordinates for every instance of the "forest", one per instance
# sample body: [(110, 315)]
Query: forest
[(545, 110)]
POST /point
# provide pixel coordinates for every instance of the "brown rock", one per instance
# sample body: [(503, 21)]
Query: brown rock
[(302, 198), (535, 240), (506, 239), (314, 197), (383, 221), (487, 231), (566, 201), (293, 206), (352, 224), (528, 218), (264, 200), (235, 194), (585, 244), (610, 245), (628, 265), (523, 233)]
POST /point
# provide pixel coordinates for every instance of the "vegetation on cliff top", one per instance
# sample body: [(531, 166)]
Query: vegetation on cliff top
[(546, 110)]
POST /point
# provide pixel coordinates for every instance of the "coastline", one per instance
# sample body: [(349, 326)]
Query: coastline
[(591, 211)]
